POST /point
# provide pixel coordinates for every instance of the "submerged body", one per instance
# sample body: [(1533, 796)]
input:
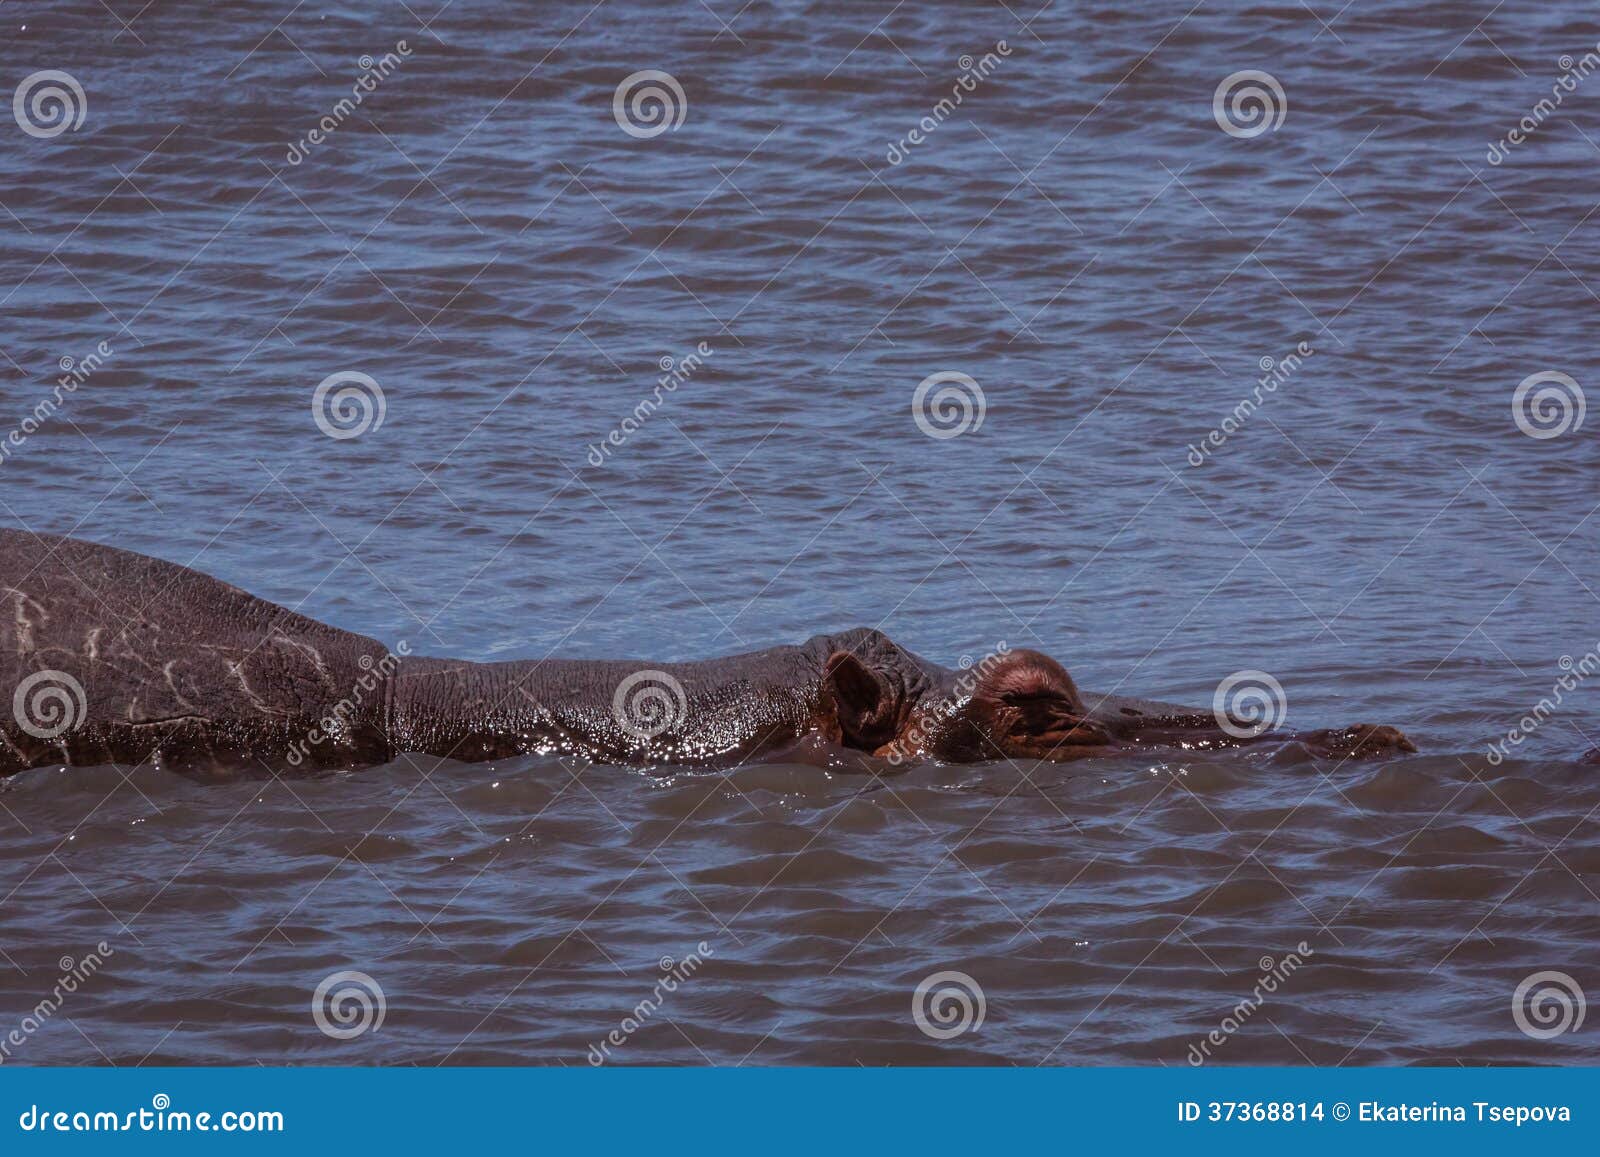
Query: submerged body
[(115, 657)]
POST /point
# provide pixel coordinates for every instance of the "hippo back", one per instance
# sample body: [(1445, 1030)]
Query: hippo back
[(107, 656)]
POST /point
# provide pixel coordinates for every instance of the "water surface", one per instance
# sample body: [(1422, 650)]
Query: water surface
[(1081, 239)]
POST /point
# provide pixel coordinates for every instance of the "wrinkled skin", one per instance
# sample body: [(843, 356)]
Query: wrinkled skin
[(179, 669), (1026, 706)]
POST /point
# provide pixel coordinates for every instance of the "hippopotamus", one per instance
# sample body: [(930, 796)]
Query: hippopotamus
[(116, 657)]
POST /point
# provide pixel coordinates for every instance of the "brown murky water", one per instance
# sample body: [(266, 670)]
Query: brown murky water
[(1084, 240)]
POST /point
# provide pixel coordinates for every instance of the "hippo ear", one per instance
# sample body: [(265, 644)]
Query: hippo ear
[(862, 699)]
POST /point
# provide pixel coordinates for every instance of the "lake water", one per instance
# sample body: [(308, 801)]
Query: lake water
[(509, 251)]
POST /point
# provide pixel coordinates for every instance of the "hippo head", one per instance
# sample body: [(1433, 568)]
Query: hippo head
[(1019, 705)]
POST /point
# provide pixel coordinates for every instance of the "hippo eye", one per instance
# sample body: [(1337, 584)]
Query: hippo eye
[(1036, 710)]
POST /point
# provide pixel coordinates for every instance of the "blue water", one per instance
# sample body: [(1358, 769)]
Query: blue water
[(1079, 237)]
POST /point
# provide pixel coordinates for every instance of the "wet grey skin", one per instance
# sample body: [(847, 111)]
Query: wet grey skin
[(113, 657)]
